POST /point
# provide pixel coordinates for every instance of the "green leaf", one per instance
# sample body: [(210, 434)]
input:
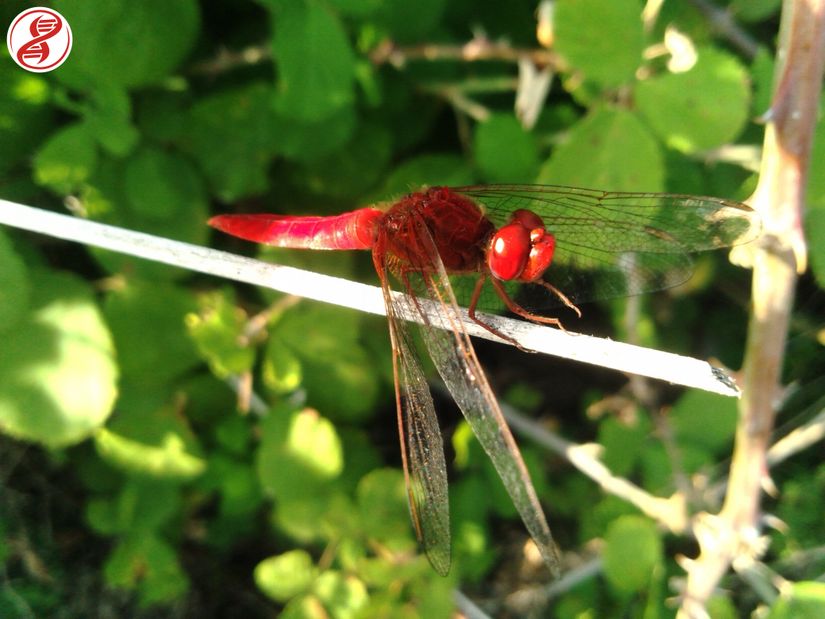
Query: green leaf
[(305, 607), (316, 67), (342, 595), (815, 230), (141, 506), (57, 369), (754, 10), (623, 442), (705, 420), (218, 332), (307, 141), (147, 321), (802, 600), (816, 182), (382, 501), (601, 38), (609, 149), (335, 367), (633, 549), (108, 117), (25, 116), (128, 44), (157, 183), (504, 151), (167, 459), (148, 565), (410, 21), (426, 170), (106, 198), (232, 138), (299, 455), (15, 289), (68, 158), (700, 109), (284, 576)]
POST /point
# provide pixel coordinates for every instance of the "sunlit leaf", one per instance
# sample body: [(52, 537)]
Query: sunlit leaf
[(284, 576), (633, 549), (57, 367)]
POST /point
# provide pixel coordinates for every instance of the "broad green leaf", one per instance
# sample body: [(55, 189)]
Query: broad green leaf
[(147, 565), (703, 108), (705, 420), (633, 548), (315, 63), (803, 600), (504, 151), (218, 332), (601, 38), (342, 595), (25, 116), (15, 288), (147, 321), (609, 149), (357, 8), (129, 44), (299, 455), (57, 369), (284, 576), (237, 484), (68, 158), (231, 136)]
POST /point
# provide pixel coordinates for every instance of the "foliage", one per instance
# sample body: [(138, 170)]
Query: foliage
[(153, 488)]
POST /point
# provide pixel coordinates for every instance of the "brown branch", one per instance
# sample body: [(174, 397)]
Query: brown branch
[(734, 535)]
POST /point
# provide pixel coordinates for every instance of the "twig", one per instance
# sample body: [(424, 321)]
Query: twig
[(598, 351), (733, 535), (478, 49), (670, 512)]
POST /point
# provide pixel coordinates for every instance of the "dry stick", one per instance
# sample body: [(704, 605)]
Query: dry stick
[(733, 534)]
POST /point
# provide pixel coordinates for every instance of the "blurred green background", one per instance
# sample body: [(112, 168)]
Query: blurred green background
[(135, 482)]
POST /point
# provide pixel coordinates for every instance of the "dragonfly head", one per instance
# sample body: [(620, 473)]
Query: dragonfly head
[(521, 249)]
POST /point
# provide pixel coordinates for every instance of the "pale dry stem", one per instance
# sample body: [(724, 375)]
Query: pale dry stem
[(733, 537)]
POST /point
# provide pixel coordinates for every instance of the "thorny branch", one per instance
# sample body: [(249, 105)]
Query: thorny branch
[(733, 537)]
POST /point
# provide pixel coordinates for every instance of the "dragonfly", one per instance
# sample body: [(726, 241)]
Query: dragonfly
[(483, 245)]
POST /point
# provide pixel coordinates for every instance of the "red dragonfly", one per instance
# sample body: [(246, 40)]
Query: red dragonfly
[(600, 244)]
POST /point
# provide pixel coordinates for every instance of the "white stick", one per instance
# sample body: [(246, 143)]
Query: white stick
[(597, 351)]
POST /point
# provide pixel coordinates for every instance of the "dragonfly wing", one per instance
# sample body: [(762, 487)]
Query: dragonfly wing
[(452, 352), (616, 244), (422, 449)]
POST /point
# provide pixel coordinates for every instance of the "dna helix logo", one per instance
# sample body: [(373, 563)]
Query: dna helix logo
[(39, 39)]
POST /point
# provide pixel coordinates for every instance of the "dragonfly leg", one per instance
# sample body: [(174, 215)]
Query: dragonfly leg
[(562, 297), (471, 312), (520, 311)]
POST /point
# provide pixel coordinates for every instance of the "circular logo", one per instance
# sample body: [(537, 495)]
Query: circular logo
[(39, 39)]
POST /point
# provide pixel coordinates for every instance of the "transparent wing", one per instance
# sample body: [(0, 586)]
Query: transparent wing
[(452, 352), (422, 449), (615, 244)]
